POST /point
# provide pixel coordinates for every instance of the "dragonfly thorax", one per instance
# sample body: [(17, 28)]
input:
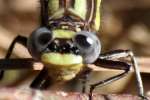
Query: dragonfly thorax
[(75, 13)]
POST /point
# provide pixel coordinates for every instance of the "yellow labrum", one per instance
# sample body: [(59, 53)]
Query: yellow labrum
[(63, 66), (61, 59), (59, 33)]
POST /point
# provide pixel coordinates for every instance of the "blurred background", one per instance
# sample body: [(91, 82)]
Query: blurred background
[(125, 25)]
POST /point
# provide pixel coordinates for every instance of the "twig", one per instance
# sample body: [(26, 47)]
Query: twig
[(29, 94)]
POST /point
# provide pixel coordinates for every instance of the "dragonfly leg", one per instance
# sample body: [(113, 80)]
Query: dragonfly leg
[(19, 39), (116, 54), (42, 81), (111, 65)]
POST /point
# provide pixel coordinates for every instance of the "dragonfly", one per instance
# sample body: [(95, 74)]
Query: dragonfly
[(65, 43)]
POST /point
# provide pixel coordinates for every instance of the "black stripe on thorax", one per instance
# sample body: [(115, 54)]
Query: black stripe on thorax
[(66, 3), (72, 3), (61, 3)]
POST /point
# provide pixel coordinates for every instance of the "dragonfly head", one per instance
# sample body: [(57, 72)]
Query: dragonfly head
[(61, 46)]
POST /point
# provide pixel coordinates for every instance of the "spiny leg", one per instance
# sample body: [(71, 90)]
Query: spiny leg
[(111, 65), (116, 54), (20, 39), (42, 81)]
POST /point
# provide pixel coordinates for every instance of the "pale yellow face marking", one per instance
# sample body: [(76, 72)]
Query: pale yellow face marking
[(61, 59), (59, 33)]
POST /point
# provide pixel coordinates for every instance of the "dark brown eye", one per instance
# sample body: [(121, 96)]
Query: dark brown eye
[(88, 45), (39, 40), (44, 38), (84, 41)]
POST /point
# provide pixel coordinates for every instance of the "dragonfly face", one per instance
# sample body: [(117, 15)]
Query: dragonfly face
[(68, 41)]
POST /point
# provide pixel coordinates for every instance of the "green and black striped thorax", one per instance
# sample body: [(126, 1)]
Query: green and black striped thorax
[(72, 14)]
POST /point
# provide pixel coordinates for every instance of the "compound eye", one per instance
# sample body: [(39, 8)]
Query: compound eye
[(39, 40), (88, 45), (84, 41)]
